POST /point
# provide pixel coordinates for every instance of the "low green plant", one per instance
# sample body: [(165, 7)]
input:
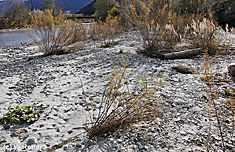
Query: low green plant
[(20, 115), (230, 93), (184, 69)]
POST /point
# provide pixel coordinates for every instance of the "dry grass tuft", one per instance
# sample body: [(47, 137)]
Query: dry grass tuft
[(124, 104), (206, 34)]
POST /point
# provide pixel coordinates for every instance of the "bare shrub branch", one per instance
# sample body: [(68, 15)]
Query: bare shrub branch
[(52, 34), (123, 104)]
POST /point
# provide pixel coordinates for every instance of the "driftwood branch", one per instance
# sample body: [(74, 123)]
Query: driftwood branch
[(182, 54)]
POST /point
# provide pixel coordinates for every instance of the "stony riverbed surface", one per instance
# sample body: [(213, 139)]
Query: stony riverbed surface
[(56, 83)]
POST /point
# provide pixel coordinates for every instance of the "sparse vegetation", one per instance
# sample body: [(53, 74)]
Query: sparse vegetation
[(221, 113), (124, 102), (156, 26), (230, 93)]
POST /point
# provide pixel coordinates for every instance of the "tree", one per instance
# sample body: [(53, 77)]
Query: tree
[(224, 12), (54, 5), (1, 6), (103, 7), (15, 10)]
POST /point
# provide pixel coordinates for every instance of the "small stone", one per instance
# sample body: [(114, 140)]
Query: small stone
[(58, 130), (111, 139), (7, 126), (183, 133), (140, 146), (78, 145), (119, 141), (230, 146), (179, 120), (145, 147), (34, 130), (88, 142), (216, 137), (231, 70), (31, 141), (70, 131), (9, 94), (83, 102)]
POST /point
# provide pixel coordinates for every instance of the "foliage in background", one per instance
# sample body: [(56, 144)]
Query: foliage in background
[(224, 12), (106, 31), (55, 5), (103, 7), (157, 26), (15, 15), (20, 115), (124, 103)]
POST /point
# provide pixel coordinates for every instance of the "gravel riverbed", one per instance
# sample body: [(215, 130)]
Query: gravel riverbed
[(54, 83)]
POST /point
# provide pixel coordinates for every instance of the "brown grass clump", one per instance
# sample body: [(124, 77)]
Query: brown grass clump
[(123, 104)]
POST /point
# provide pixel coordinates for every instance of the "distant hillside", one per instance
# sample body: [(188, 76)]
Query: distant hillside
[(74, 5), (88, 9), (71, 5)]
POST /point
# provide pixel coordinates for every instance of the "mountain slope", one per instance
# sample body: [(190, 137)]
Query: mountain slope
[(71, 5), (88, 9), (74, 5)]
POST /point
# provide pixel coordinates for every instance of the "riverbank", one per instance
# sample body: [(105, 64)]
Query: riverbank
[(14, 30), (54, 83)]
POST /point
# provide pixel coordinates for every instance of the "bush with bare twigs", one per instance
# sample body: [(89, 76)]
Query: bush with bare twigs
[(123, 104), (52, 33)]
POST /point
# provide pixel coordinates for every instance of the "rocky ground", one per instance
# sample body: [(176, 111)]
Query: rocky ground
[(54, 83)]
